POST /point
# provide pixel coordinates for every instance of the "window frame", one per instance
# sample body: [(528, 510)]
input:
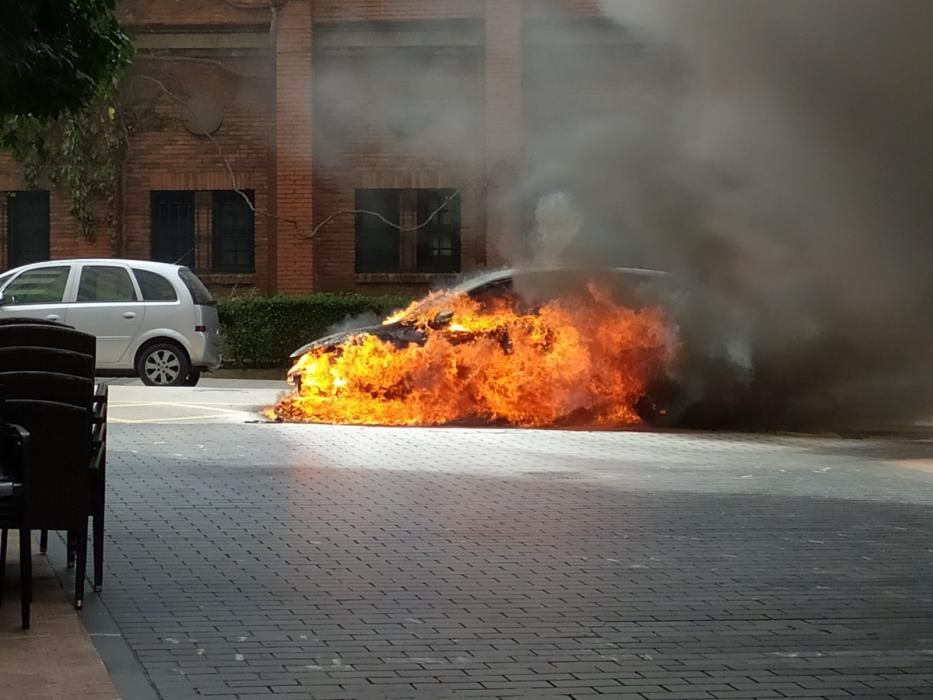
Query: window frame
[(161, 251), (46, 247), (232, 198), (424, 260), (366, 227)]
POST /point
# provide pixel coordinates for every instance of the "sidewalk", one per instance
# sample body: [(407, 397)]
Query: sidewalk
[(55, 658)]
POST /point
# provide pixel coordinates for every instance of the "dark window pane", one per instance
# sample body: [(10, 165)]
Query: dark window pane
[(199, 293), (173, 227), (27, 228), (439, 236), (45, 285), (377, 242), (154, 287), (105, 284), (233, 232)]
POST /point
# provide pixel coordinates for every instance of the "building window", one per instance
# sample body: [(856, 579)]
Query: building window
[(172, 233), (27, 228), (439, 238), (204, 230), (377, 242), (430, 241), (233, 231)]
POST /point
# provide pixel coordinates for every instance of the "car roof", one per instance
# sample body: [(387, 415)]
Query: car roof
[(142, 264), (501, 275)]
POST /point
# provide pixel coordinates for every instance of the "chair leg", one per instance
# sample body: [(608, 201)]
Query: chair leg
[(99, 550), (44, 542), (3, 536), (25, 573), (81, 564), (70, 550)]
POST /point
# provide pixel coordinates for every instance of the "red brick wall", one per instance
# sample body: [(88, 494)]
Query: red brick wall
[(394, 119), (279, 109), (65, 237), (164, 155), (503, 130), (534, 8), (374, 10), (193, 12), (294, 250)]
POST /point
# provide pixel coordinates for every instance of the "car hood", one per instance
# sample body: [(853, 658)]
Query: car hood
[(397, 332)]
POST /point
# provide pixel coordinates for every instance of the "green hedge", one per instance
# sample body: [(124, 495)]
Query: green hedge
[(261, 331)]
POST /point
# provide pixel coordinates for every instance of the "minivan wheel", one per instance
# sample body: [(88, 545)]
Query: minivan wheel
[(194, 376), (163, 364)]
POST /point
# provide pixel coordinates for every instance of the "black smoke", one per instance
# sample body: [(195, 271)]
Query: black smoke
[(778, 158)]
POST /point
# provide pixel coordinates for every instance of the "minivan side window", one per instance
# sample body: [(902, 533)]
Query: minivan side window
[(199, 293), (104, 283), (44, 285), (154, 286)]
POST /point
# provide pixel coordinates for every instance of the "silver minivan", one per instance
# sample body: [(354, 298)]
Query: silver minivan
[(152, 320)]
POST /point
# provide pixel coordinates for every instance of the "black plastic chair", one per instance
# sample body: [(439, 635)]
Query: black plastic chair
[(54, 362), (15, 481), (59, 493)]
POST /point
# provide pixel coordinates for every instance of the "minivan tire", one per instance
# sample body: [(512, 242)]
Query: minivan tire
[(194, 376), (163, 364)]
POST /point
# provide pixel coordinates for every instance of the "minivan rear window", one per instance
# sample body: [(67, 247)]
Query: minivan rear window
[(199, 293), (154, 286)]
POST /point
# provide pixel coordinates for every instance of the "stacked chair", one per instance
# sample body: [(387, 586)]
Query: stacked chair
[(49, 395)]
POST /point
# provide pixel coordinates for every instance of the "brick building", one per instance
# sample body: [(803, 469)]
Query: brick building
[(256, 127)]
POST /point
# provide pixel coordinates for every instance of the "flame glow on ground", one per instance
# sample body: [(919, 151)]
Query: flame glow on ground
[(577, 361)]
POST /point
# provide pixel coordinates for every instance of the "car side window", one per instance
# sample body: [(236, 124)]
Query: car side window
[(105, 283), (154, 287), (44, 285)]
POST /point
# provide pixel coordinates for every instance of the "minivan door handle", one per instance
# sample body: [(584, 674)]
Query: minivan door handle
[(53, 317), (129, 314)]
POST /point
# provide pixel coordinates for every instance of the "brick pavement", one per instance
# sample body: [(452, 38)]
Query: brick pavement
[(342, 562)]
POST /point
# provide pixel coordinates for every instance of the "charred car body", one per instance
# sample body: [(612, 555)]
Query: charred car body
[(675, 397)]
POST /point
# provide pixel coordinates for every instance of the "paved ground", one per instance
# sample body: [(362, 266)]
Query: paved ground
[(248, 559), (55, 658), (252, 559)]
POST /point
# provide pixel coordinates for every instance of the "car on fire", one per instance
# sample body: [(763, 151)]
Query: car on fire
[(528, 289)]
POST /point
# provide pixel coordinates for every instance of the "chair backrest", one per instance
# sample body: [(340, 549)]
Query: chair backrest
[(42, 359), (60, 460), (47, 335), (69, 388), (46, 347)]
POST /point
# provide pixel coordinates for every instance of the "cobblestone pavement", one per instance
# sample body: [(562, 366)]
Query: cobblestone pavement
[(320, 562)]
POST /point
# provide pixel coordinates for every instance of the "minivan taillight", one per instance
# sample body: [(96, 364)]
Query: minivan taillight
[(200, 329)]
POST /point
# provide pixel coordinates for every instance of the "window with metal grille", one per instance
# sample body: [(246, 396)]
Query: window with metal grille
[(27, 227), (377, 243), (430, 241), (172, 222), (233, 232), (439, 235)]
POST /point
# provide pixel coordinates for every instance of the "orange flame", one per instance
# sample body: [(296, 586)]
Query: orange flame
[(581, 360)]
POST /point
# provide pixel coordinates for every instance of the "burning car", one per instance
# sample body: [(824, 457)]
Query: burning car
[(526, 347)]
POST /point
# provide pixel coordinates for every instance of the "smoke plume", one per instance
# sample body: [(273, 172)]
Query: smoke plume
[(778, 157)]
